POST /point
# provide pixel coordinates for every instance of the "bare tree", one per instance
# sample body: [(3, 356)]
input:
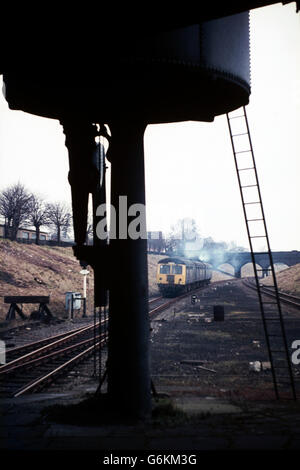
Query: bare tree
[(38, 215), (15, 208), (59, 215)]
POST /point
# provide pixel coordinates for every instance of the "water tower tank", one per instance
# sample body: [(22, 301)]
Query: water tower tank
[(193, 72)]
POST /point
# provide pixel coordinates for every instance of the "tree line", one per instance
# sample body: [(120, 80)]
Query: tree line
[(184, 239), (20, 208)]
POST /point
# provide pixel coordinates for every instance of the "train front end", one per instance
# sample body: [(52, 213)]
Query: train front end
[(171, 277)]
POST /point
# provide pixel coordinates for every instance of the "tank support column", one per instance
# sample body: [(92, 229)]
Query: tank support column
[(128, 348)]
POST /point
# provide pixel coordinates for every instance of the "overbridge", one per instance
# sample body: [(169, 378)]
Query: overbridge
[(238, 259)]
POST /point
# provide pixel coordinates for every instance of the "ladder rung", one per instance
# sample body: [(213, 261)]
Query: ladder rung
[(283, 380), (255, 202), (249, 186), (282, 367), (254, 220), (244, 169), (271, 319), (258, 236), (236, 117), (237, 135), (242, 151), (280, 377)]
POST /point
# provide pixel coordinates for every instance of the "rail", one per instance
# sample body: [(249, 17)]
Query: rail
[(49, 350), (292, 300)]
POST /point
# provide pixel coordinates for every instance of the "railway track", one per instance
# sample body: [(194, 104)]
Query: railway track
[(32, 366), (19, 351), (31, 371), (162, 304), (289, 299)]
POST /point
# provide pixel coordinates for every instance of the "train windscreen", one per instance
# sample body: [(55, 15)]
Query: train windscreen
[(164, 269), (177, 269)]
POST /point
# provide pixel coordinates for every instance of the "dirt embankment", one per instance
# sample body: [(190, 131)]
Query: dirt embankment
[(43, 270), (288, 280), (38, 270)]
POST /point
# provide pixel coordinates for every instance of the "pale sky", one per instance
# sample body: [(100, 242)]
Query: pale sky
[(189, 166)]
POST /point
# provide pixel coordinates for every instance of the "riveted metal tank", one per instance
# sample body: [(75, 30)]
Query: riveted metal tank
[(188, 73)]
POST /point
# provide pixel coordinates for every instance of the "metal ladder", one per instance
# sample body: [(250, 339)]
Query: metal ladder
[(271, 312)]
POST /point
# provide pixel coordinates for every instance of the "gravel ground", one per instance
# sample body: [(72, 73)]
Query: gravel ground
[(201, 364), (191, 351)]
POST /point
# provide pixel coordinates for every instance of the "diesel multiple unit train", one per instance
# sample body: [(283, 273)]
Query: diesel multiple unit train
[(178, 275)]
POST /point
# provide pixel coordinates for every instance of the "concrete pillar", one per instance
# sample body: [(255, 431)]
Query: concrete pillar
[(265, 272), (238, 272), (128, 348)]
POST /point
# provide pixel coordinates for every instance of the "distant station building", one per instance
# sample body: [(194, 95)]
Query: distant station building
[(64, 239), (27, 234)]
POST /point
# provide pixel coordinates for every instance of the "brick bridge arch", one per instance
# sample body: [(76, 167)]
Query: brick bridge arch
[(238, 259)]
